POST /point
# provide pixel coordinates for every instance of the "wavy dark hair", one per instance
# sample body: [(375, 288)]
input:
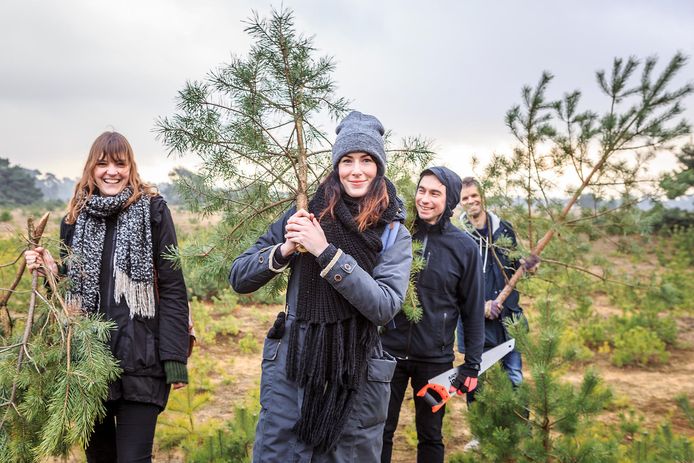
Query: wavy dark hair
[(371, 205)]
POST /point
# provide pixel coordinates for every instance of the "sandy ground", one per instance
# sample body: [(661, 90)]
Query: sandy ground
[(648, 390)]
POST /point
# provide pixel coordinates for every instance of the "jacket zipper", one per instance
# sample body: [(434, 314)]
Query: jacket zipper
[(409, 341), (112, 276), (443, 332)]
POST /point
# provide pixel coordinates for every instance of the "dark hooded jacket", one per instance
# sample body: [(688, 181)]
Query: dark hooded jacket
[(449, 286), (497, 267)]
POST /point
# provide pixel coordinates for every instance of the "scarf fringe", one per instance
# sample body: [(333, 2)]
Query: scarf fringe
[(139, 295), (330, 366)]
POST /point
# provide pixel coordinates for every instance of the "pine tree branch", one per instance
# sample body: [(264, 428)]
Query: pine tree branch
[(10, 347), (607, 152), (219, 197), (273, 104), (320, 133), (540, 185), (408, 151), (602, 278), (67, 369), (606, 212), (256, 122), (5, 318), (628, 182), (260, 211), (239, 153), (633, 148)]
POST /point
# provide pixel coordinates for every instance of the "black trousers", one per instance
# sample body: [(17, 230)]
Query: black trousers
[(429, 438), (125, 435)]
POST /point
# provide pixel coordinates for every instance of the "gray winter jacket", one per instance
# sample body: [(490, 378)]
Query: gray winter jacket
[(378, 297)]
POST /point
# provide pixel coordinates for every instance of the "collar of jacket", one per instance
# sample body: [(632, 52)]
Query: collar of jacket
[(423, 228)]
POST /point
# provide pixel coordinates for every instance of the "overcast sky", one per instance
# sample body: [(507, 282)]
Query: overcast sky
[(447, 69)]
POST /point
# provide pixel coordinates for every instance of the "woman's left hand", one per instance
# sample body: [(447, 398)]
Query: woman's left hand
[(308, 233), (179, 385)]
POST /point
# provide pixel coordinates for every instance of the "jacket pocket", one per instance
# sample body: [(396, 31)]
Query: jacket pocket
[(373, 402), (138, 348), (444, 319), (270, 348), (270, 366)]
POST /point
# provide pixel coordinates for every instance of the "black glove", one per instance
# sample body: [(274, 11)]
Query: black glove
[(277, 330), (466, 381), (531, 262)]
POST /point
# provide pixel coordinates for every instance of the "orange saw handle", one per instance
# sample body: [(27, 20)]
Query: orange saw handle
[(439, 390)]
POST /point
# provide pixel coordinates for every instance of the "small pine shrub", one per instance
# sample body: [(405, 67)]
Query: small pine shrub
[(638, 346), (574, 346), (226, 302), (660, 446), (664, 327), (248, 344), (686, 408), (594, 332), (5, 216), (227, 325), (232, 442), (640, 445), (213, 441)]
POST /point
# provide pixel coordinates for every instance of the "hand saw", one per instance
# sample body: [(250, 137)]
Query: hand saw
[(441, 384)]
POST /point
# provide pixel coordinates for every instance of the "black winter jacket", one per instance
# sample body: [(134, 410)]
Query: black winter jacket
[(141, 345), (449, 286)]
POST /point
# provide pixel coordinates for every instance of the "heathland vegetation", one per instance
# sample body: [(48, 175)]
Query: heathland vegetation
[(608, 356)]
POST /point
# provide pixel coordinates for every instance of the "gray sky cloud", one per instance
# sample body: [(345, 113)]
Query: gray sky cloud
[(447, 70)]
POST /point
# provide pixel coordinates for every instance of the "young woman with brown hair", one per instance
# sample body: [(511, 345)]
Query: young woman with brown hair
[(325, 381), (115, 232)]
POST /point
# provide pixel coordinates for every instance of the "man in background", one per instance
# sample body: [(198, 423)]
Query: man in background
[(495, 241)]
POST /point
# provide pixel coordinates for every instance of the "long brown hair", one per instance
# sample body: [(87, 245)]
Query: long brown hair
[(372, 204), (115, 147)]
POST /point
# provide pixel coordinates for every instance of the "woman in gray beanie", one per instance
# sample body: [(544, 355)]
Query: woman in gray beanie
[(325, 382)]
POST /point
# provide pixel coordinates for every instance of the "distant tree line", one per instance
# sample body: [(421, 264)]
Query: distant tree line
[(17, 185), (20, 186)]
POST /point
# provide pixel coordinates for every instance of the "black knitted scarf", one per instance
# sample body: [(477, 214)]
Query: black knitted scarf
[(332, 363), (133, 267)]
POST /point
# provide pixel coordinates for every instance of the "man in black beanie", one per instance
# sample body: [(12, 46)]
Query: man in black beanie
[(449, 287)]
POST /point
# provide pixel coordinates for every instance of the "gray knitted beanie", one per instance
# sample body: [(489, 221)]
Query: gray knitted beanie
[(360, 132)]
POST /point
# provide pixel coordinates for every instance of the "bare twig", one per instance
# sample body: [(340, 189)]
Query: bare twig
[(606, 212), (5, 318), (602, 278), (35, 234)]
